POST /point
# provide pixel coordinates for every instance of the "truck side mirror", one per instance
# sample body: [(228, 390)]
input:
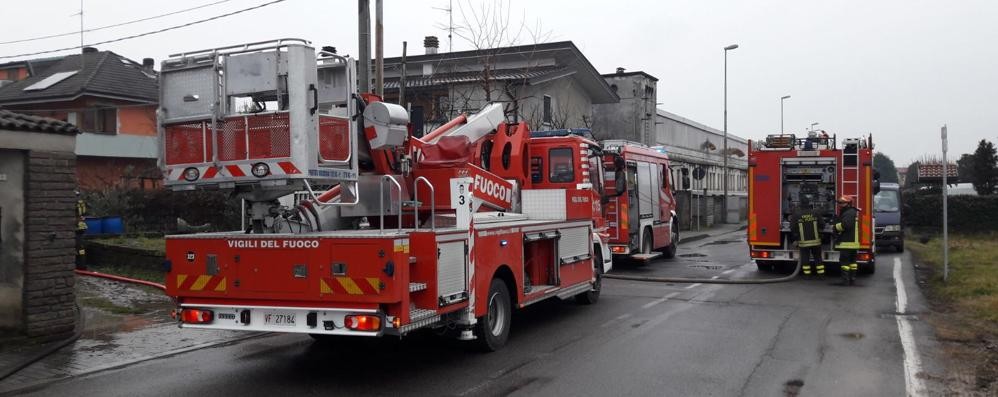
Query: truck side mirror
[(876, 181), (685, 178)]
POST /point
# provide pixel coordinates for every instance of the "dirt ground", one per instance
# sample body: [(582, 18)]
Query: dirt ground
[(970, 345)]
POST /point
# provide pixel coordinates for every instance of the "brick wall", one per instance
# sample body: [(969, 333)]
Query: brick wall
[(50, 211)]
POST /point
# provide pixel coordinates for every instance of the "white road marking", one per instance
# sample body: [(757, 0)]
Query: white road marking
[(659, 300), (727, 271), (691, 286), (912, 363)]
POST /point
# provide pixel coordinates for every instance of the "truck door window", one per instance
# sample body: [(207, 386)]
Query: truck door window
[(536, 169), (562, 166), (596, 173)]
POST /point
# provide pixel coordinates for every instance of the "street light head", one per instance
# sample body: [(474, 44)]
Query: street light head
[(731, 47), (785, 97)]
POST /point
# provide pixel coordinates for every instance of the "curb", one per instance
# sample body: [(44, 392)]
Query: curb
[(45, 383)]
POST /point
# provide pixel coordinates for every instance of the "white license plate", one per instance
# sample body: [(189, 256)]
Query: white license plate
[(280, 319)]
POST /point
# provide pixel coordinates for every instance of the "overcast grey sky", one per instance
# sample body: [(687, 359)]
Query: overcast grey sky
[(899, 69)]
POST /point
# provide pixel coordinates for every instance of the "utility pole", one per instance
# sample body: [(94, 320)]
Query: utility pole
[(379, 50), (364, 45), (405, 44), (724, 151), (945, 212)]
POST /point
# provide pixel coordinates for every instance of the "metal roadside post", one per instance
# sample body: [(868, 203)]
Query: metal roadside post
[(945, 212)]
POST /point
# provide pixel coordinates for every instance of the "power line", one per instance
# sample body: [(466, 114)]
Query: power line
[(147, 33), (114, 25)]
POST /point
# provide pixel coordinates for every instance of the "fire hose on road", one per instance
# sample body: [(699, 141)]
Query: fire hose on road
[(680, 280), (121, 279)]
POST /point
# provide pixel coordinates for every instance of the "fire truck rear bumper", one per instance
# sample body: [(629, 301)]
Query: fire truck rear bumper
[(326, 321), (777, 255)]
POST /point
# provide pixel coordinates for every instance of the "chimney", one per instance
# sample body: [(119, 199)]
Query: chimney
[(148, 64), (431, 44), (620, 70), (90, 50)]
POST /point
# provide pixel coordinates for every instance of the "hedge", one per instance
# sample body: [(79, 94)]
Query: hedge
[(157, 210), (966, 213)]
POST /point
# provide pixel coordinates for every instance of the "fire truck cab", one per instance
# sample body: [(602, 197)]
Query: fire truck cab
[(640, 210), (783, 170)]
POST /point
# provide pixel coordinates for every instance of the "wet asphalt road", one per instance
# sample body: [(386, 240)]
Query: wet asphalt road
[(641, 339)]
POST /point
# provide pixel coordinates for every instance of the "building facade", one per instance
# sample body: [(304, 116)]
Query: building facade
[(112, 99), (549, 85)]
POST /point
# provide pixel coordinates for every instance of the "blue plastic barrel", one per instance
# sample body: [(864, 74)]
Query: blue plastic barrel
[(94, 225), (112, 225)]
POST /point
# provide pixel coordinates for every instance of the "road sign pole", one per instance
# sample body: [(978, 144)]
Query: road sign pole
[(945, 213)]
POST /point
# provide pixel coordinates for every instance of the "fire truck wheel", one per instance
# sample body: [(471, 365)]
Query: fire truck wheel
[(764, 267), (867, 268), (592, 296), (647, 241), (669, 251), (492, 329)]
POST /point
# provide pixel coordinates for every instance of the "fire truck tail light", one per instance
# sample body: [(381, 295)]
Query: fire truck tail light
[(362, 322), (618, 249), (864, 256), (762, 254), (196, 316)]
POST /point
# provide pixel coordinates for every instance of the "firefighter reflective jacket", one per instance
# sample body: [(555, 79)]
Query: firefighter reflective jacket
[(81, 211), (847, 226), (807, 228)]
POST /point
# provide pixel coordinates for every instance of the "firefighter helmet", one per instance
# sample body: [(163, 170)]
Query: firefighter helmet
[(845, 199)]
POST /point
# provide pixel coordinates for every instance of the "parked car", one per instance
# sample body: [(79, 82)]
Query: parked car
[(887, 211)]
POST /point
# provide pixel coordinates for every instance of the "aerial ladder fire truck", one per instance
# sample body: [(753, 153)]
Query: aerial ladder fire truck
[(452, 230), (782, 169)]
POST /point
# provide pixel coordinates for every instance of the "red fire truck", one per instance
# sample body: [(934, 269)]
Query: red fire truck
[(784, 168), (641, 210), (454, 229)]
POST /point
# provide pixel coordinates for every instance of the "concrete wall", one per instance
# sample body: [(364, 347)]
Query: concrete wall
[(633, 118)]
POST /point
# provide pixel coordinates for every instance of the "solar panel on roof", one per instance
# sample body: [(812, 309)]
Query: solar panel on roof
[(50, 81)]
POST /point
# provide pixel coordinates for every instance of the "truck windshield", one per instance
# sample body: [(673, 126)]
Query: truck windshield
[(562, 165), (887, 201)]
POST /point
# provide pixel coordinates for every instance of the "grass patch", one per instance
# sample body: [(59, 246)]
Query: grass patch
[(973, 273), (108, 306), (146, 243), (156, 276)]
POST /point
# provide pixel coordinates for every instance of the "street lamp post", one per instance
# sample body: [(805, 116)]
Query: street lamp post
[(782, 98), (812, 127), (724, 151)]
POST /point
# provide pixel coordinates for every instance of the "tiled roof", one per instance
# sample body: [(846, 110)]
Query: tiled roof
[(22, 122), (444, 78), (103, 74)]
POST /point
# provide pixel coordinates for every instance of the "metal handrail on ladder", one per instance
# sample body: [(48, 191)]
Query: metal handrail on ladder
[(433, 206), (381, 201)]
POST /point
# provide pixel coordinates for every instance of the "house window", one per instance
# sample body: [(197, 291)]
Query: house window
[(547, 109), (102, 120)]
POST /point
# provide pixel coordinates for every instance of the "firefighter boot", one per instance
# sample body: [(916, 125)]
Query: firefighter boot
[(844, 269), (853, 269), (820, 271), (806, 269)]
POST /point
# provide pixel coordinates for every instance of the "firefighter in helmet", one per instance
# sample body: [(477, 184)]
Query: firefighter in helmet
[(81, 228), (847, 243), (806, 225)]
